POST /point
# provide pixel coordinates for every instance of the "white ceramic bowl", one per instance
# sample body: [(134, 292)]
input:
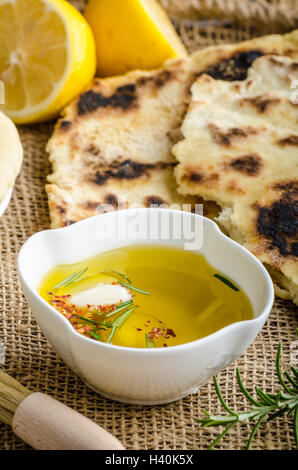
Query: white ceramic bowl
[(5, 202), (143, 376)]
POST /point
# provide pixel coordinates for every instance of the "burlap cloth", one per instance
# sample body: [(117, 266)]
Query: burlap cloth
[(31, 359)]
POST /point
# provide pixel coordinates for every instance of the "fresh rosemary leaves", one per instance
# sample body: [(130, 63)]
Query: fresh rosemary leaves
[(71, 279), (120, 307), (112, 271), (120, 321), (133, 288), (266, 407), (226, 281)]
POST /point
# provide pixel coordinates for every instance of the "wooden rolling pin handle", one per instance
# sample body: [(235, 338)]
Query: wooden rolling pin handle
[(47, 424)]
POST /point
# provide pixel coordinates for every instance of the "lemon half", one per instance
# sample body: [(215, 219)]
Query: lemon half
[(131, 34), (47, 57)]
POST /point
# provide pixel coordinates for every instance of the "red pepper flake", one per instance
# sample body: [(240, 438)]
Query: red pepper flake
[(170, 332), (155, 333), (165, 345), (139, 329)]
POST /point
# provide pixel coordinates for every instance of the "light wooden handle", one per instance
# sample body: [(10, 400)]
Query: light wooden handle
[(47, 424)]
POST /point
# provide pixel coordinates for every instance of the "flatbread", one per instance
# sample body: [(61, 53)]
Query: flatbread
[(240, 149), (11, 155), (113, 148), (113, 145)]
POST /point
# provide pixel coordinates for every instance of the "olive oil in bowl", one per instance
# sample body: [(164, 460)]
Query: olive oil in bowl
[(145, 296)]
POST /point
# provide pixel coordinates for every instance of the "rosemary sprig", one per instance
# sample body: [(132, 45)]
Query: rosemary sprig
[(226, 281), (71, 279), (111, 334), (118, 274), (149, 343), (133, 288), (86, 319), (268, 406), (120, 307), (95, 335), (92, 322), (119, 322)]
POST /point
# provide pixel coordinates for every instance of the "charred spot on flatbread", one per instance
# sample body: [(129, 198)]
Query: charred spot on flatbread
[(193, 177), (115, 202), (65, 125), (278, 223), (154, 201), (93, 149), (290, 186), (249, 165), (157, 80), (228, 137), (126, 170), (290, 140), (111, 199), (196, 176), (261, 103), (129, 88), (60, 209), (124, 98), (234, 67)]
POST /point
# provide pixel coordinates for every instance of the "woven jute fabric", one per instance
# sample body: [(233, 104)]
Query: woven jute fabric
[(273, 15), (30, 358)]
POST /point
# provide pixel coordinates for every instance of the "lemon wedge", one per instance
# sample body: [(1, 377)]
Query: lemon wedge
[(131, 34), (47, 57)]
